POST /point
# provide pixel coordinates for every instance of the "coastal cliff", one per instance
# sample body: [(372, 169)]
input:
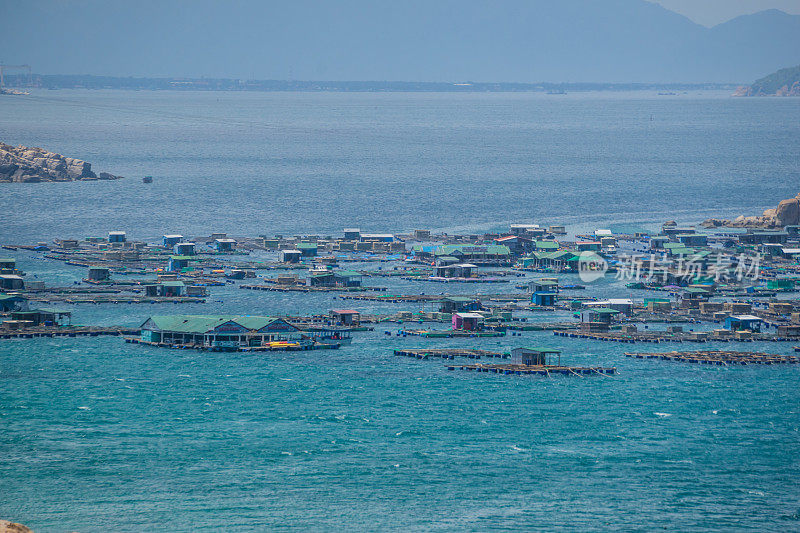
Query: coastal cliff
[(785, 82), (786, 214), (33, 165)]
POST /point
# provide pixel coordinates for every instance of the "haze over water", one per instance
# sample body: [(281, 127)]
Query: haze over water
[(264, 163)]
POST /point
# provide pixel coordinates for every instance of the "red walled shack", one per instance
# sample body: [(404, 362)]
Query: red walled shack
[(467, 321)]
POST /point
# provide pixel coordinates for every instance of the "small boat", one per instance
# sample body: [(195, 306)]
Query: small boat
[(147, 179)]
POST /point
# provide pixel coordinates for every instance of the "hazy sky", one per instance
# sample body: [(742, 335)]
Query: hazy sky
[(527, 41), (711, 12)]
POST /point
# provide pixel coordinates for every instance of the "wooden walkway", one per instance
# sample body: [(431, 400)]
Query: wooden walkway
[(539, 370), (304, 288), (658, 337), (392, 298), (65, 331), (114, 299), (442, 334), (451, 353), (719, 357)]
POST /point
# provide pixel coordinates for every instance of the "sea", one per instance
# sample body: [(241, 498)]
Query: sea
[(100, 435)]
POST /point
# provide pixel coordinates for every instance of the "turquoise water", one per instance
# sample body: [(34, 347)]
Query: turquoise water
[(99, 435)]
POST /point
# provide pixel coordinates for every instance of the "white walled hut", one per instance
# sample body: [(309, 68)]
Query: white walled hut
[(225, 244), (117, 236), (172, 240), (185, 248)]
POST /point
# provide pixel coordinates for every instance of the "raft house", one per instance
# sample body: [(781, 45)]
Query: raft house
[(178, 263), (743, 323), (171, 240), (290, 256), (221, 332), (225, 244), (8, 265), (117, 236), (41, 317), (11, 282), (454, 304), (97, 274), (13, 302), (185, 248), (535, 361), (467, 321), (346, 317), (544, 299)]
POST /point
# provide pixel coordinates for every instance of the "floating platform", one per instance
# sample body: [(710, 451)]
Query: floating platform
[(720, 357), (305, 288), (538, 326), (65, 331), (539, 370), (448, 334), (122, 300), (436, 279), (451, 354), (434, 298), (271, 347), (392, 298), (658, 337)]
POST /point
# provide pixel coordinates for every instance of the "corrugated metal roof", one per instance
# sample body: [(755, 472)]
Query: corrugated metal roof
[(348, 273), (458, 299), (538, 349), (203, 324)]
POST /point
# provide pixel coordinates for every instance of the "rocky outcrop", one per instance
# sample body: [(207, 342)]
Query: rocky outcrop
[(786, 214), (785, 82), (788, 211), (13, 527), (784, 90), (32, 165)]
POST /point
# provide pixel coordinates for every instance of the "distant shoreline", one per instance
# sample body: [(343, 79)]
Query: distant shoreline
[(55, 82)]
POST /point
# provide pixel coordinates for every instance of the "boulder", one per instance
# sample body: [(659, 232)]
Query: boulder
[(31, 165), (13, 527), (788, 212)]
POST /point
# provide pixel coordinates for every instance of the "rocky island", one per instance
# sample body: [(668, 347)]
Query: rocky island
[(32, 165), (786, 214), (785, 82)]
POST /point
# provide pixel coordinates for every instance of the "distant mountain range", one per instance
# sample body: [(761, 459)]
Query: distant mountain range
[(785, 82), (524, 41)]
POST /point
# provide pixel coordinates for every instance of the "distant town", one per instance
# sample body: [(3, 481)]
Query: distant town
[(52, 82)]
